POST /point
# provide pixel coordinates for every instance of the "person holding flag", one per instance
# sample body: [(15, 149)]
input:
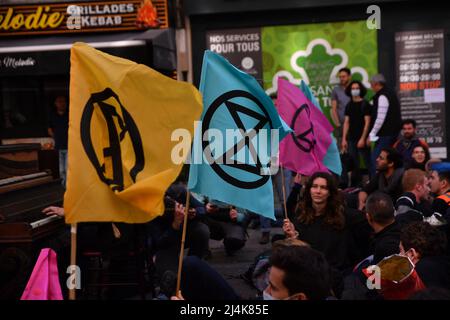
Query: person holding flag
[(121, 119), (323, 220), (238, 174)]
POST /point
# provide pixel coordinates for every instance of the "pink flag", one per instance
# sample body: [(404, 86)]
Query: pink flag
[(44, 280), (304, 149)]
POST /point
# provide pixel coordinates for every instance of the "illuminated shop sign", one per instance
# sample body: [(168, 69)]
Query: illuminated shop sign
[(83, 17)]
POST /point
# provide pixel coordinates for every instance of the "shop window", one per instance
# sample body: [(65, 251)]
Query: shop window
[(19, 106), (26, 103)]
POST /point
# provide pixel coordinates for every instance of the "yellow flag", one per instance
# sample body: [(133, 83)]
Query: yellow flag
[(121, 119)]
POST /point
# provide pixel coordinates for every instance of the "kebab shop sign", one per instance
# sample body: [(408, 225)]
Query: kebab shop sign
[(58, 18)]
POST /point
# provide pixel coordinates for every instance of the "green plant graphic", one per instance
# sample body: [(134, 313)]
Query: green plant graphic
[(315, 53)]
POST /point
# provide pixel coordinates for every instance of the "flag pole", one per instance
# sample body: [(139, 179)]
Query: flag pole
[(183, 238), (284, 192), (73, 256)]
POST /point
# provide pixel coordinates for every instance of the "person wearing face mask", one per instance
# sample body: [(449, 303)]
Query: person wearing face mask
[(339, 100), (298, 273), (356, 129)]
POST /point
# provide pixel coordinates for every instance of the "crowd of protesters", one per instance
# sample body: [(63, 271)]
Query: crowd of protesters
[(392, 200)]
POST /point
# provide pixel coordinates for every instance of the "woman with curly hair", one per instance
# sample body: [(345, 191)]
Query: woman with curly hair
[(324, 222)]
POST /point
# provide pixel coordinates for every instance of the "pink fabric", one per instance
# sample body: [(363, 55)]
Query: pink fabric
[(44, 280), (311, 128)]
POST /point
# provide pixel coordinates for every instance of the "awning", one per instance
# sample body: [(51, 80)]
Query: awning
[(155, 47)]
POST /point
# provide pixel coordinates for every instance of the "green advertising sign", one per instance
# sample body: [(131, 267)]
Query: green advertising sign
[(315, 52)]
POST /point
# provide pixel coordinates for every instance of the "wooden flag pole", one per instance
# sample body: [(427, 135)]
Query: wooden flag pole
[(284, 193), (183, 238), (73, 255)]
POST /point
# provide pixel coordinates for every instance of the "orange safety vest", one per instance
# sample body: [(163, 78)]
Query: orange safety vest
[(445, 197)]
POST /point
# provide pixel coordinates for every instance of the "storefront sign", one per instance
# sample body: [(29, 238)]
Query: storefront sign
[(83, 17), (13, 62), (19, 63), (311, 52), (242, 47), (421, 83)]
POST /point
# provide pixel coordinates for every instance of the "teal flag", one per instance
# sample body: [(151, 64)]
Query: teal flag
[(239, 132), (332, 159)]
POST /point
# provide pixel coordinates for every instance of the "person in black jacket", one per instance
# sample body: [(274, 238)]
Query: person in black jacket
[(165, 232), (408, 140), (228, 223), (380, 215), (386, 118), (385, 242), (388, 178), (413, 205)]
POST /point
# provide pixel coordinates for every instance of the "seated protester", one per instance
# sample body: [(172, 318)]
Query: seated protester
[(228, 223), (413, 204), (388, 178), (420, 156), (408, 141), (298, 273), (429, 164), (327, 225), (201, 282), (257, 275), (166, 231), (426, 245), (197, 231), (440, 186), (380, 215)]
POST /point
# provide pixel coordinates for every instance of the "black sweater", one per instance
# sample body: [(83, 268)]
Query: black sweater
[(342, 248), (434, 271), (386, 242)]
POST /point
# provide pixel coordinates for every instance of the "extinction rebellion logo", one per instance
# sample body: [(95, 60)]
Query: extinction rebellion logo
[(237, 111), (305, 139)]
